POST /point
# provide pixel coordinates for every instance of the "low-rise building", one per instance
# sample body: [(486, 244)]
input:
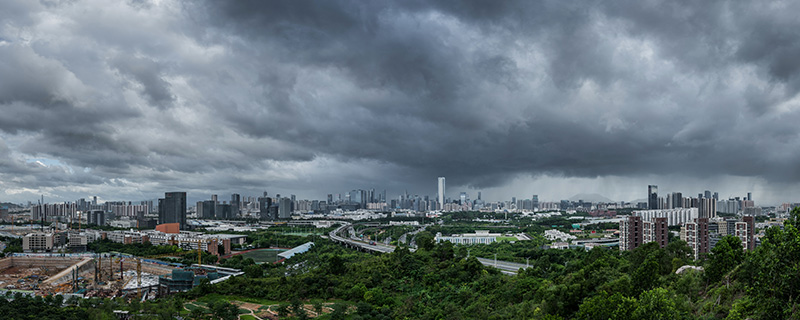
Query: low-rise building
[(38, 242), (479, 237)]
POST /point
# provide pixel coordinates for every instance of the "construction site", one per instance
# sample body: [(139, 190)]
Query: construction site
[(85, 276)]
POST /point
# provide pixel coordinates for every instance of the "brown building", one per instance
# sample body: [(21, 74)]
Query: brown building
[(631, 233), (744, 231), (695, 234), (656, 230)]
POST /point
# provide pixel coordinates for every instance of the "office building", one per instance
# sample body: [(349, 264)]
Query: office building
[(172, 209), (97, 217), (707, 207), (206, 209), (652, 197), (38, 242), (677, 200), (264, 204), (285, 208), (479, 237), (236, 203), (441, 191)]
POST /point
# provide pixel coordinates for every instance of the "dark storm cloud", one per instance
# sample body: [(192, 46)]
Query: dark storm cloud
[(219, 95), (149, 75), (436, 63)]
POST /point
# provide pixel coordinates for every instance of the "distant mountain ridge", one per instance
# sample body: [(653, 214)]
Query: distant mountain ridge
[(590, 197), (9, 205)]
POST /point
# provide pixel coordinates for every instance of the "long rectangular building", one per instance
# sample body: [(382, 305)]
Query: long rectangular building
[(675, 217)]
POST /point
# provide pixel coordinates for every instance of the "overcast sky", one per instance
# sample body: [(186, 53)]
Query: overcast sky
[(129, 99)]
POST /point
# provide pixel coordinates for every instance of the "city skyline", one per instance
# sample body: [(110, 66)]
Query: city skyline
[(653, 199), (132, 99)]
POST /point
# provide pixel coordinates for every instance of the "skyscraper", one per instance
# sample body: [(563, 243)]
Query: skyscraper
[(441, 191), (172, 209), (285, 208), (264, 203), (677, 200), (236, 203), (652, 197)]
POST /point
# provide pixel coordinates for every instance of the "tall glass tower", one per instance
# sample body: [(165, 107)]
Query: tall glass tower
[(652, 197), (441, 192)]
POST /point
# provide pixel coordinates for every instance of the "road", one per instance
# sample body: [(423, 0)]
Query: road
[(506, 267), (404, 237)]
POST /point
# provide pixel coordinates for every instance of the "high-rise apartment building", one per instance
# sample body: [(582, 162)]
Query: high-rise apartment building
[(655, 230), (636, 231), (630, 233), (695, 233), (675, 217), (652, 197), (441, 192), (172, 209)]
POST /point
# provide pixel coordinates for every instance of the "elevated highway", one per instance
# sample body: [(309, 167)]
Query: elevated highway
[(510, 268)]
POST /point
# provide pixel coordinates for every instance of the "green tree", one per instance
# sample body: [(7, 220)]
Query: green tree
[(224, 310), (318, 308), (604, 306), (425, 240), (726, 255), (646, 275), (253, 271), (656, 304), (282, 310)]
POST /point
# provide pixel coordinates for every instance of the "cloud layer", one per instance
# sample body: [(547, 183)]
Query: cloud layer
[(135, 98)]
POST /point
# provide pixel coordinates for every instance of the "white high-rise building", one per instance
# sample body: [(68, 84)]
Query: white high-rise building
[(441, 192)]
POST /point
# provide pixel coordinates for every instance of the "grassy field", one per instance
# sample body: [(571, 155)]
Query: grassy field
[(263, 255), (507, 239), (247, 317)]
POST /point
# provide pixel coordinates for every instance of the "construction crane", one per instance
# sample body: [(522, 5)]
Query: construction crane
[(139, 277)]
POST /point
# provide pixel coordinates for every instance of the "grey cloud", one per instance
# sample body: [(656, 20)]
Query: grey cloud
[(149, 74), (214, 95)]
